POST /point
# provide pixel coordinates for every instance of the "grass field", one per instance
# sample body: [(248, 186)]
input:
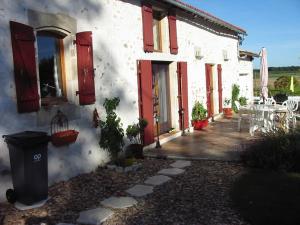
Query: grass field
[(273, 75)]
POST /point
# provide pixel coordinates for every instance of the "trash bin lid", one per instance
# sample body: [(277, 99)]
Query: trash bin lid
[(27, 138)]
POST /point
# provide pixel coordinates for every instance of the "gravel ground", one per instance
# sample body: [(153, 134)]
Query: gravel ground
[(199, 196)]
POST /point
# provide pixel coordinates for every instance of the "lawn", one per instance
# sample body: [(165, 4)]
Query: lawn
[(265, 197), (273, 75)]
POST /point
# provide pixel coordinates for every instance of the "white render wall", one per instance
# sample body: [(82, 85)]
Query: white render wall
[(245, 79), (118, 44)]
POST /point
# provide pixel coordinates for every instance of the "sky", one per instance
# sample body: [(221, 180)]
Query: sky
[(273, 24)]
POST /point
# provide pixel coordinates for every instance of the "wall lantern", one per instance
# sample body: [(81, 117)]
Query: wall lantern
[(198, 53)]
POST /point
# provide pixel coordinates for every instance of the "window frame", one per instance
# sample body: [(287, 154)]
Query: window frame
[(158, 16), (50, 101)]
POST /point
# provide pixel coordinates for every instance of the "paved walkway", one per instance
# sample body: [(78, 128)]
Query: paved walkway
[(97, 216), (219, 141)]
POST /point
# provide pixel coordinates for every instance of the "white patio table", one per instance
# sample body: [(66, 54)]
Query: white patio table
[(273, 116)]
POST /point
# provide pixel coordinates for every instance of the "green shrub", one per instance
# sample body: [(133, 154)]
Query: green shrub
[(135, 132), (198, 112), (243, 101), (111, 130), (235, 96), (275, 151)]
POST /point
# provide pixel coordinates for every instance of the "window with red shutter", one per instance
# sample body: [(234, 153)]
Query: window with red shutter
[(147, 16), (173, 33), (85, 68), (22, 38), (145, 98), (183, 93)]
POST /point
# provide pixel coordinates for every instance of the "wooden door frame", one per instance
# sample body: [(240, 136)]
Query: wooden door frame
[(209, 90)]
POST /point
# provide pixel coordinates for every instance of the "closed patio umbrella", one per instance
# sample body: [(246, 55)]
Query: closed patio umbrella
[(264, 73)]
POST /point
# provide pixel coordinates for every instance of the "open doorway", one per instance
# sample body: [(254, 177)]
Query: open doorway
[(161, 94)]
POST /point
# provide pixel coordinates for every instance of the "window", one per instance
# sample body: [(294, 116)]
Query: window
[(52, 79), (157, 40), (51, 69), (154, 27)]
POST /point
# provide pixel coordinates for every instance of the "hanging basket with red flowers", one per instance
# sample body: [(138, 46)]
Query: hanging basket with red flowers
[(61, 135)]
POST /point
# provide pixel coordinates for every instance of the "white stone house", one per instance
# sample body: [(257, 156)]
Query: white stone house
[(71, 55)]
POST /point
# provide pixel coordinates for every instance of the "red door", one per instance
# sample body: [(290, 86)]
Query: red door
[(183, 94), (146, 98), (220, 89), (209, 90)]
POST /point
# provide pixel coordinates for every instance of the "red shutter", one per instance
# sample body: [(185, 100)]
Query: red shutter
[(220, 89), (208, 100), (145, 98), (85, 67), (22, 40), (183, 93), (147, 27), (173, 33)]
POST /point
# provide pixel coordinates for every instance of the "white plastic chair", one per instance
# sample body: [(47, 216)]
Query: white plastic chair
[(242, 116), (292, 107), (256, 119), (270, 101)]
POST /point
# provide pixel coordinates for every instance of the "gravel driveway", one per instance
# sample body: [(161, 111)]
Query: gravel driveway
[(198, 196)]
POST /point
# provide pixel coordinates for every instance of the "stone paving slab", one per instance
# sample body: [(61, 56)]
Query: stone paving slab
[(140, 190), (94, 216), (157, 180), (171, 171), (181, 164), (119, 202)]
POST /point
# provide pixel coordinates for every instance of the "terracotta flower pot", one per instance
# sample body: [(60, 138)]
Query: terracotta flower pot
[(227, 113), (199, 124), (64, 137)]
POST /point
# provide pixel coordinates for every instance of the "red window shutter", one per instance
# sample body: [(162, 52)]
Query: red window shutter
[(220, 89), (173, 33), (145, 98), (208, 71), (85, 68), (183, 93), (22, 40), (147, 16)]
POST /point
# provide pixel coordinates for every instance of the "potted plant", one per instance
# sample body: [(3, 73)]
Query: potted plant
[(199, 117), (227, 110), (112, 132), (135, 134)]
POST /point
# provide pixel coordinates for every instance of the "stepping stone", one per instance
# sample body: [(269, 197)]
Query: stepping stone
[(171, 171), (140, 190), (181, 164), (94, 216), (119, 202), (157, 180)]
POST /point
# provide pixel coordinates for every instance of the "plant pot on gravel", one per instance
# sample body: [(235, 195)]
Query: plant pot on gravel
[(227, 110), (199, 117), (135, 134)]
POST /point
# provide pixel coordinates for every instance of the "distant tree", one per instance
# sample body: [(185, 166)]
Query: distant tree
[(284, 82)]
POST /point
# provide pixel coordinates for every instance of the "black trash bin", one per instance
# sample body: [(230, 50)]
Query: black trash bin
[(29, 165)]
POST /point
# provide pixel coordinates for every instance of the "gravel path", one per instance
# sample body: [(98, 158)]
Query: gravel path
[(198, 196)]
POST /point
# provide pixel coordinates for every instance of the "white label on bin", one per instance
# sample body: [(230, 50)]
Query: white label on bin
[(37, 157)]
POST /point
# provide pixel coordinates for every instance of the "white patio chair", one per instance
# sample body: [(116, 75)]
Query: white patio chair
[(270, 101), (257, 121), (242, 116), (292, 107)]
